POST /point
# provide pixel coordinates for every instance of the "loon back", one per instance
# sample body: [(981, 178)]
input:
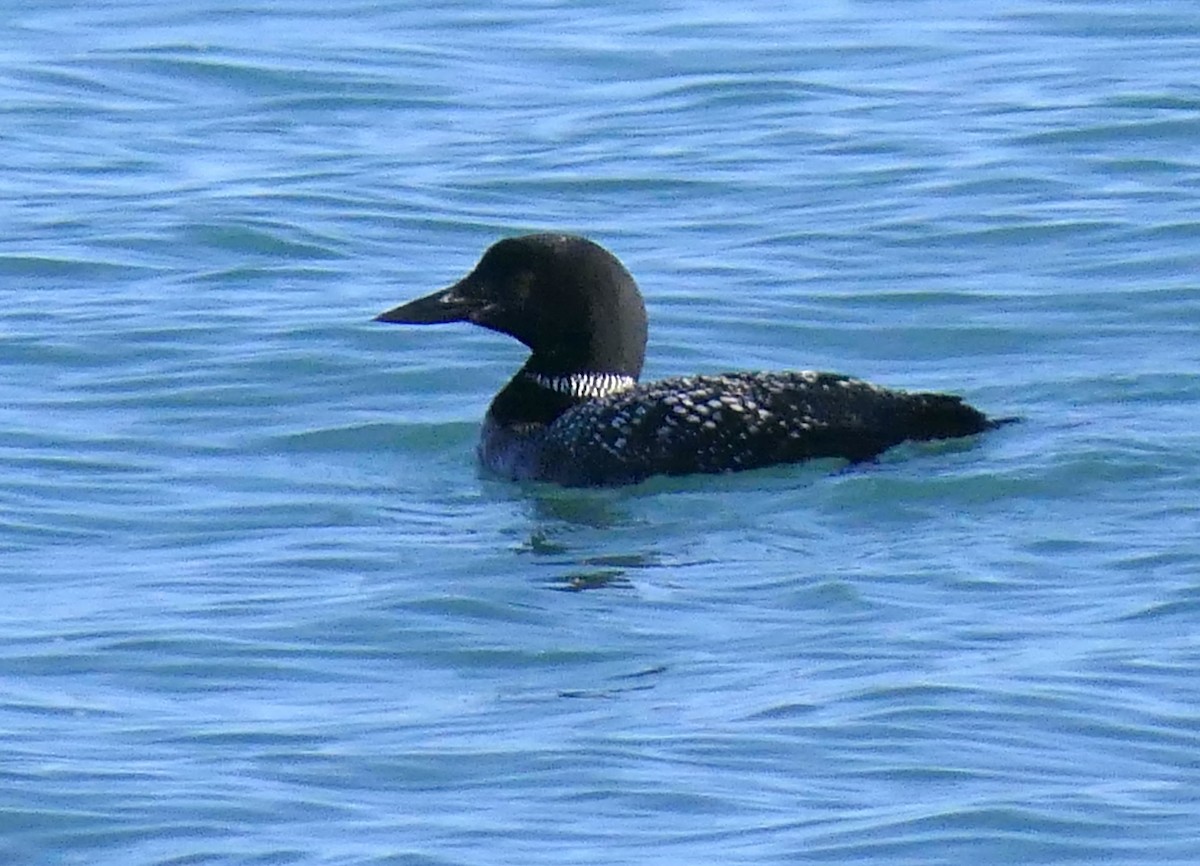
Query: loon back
[(723, 423), (575, 415)]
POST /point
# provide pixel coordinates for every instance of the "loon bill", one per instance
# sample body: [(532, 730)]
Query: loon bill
[(576, 415)]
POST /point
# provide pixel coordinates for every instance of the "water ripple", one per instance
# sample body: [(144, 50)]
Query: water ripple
[(263, 607)]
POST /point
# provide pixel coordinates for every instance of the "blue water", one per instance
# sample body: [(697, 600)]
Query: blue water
[(260, 606)]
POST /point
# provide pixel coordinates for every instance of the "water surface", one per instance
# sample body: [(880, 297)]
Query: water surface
[(264, 608)]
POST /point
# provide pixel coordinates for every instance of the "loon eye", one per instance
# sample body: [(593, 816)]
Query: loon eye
[(522, 286)]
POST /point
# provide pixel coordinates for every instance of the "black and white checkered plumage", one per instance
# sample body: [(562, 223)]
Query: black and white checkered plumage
[(576, 415)]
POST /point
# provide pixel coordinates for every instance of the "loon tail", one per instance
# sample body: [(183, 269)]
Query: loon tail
[(945, 416), (995, 423)]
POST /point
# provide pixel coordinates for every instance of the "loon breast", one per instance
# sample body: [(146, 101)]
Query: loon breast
[(517, 453)]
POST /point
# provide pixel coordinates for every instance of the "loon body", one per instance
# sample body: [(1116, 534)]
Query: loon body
[(576, 415)]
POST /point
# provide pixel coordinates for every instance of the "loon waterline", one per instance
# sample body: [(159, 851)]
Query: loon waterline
[(575, 414)]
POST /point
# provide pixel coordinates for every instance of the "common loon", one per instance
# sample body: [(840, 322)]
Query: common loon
[(575, 414)]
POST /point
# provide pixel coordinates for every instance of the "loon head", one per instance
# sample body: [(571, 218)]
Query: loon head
[(566, 298)]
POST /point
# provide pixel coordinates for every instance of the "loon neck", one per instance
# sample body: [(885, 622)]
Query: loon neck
[(582, 386), (536, 398)]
